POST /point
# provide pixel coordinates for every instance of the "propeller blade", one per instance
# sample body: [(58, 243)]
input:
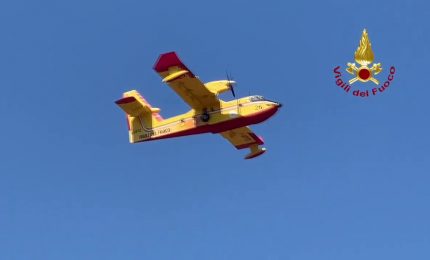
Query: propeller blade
[(232, 89), (230, 83)]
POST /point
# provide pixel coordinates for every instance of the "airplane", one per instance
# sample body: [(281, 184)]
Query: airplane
[(208, 114)]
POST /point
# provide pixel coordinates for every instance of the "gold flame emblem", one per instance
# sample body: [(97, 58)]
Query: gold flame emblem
[(364, 56)]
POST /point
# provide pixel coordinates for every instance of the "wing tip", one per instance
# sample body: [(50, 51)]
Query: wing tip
[(125, 100), (167, 60), (253, 154)]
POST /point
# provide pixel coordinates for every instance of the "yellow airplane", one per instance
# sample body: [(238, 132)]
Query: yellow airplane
[(208, 113)]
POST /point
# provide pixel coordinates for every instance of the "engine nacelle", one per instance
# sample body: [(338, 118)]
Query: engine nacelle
[(219, 86)]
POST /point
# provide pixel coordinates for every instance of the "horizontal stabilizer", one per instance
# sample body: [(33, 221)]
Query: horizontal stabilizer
[(134, 105)]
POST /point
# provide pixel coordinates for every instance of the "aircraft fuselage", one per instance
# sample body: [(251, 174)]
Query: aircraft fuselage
[(230, 115)]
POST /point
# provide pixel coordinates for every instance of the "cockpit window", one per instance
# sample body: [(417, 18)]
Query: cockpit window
[(256, 98)]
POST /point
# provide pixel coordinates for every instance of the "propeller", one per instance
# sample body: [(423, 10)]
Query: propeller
[(230, 83)]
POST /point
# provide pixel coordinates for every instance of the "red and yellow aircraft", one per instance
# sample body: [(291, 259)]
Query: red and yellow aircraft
[(208, 113)]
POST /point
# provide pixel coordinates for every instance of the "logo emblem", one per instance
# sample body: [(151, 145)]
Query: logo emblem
[(364, 56), (364, 73)]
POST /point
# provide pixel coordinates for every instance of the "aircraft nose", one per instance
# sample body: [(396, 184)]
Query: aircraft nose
[(279, 104)]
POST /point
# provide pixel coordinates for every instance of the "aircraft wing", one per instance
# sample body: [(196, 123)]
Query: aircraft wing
[(242, 138), (184, 82)]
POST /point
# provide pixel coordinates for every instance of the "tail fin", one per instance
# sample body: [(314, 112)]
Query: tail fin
[(141, 116)]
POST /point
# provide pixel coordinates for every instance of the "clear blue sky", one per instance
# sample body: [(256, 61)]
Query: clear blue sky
[(343, 178)]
